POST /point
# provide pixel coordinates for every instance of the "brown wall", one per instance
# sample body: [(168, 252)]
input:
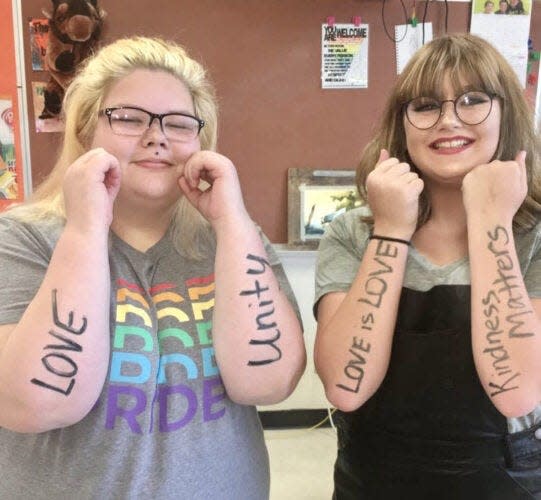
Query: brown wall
[(265, 60)]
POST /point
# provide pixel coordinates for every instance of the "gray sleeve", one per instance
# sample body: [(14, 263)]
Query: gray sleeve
[(24, 258), (280, 274), (339, 255), (532, 276)]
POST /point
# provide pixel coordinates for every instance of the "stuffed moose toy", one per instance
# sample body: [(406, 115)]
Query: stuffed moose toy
[(74, 29)]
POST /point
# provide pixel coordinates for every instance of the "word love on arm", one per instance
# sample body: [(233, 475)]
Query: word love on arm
[(267, 332), (374, 289), (505, 290), (58, 362)]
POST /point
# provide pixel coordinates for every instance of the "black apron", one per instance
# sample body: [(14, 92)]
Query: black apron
[(430, 431)]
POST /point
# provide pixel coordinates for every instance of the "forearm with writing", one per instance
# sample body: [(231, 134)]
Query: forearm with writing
[(256, 334), (353, 347), (54, 363), (505, 328)]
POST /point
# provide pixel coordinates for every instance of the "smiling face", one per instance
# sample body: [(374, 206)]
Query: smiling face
[(446, 152), (150, 163)]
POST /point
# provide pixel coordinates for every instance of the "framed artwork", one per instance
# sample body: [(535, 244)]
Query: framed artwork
[(315, 198)]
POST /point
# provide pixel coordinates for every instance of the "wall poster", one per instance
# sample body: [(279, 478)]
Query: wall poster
[(11, 168), (344, 56), (506, 25)]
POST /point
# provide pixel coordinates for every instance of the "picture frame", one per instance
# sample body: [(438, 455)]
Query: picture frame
[(315, 197)]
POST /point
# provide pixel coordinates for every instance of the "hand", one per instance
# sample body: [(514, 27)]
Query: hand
[(222, 199), (91, 184), (393, 195), (497, 188)]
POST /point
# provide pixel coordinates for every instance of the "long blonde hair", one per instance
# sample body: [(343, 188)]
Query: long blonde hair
[(82, 102), (467, 58)]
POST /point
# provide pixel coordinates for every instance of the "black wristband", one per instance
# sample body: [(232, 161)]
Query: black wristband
[(388, 238)]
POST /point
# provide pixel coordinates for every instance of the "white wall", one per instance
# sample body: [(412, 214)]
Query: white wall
[(299, 266)]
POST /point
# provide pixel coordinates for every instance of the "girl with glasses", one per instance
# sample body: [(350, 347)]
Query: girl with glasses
[(143, 313), (428, 298)]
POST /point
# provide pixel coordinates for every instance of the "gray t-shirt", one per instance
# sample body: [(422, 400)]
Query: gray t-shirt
[(163, 426), (344, 243)]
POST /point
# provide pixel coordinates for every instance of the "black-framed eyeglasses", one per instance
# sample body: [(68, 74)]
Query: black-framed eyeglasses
[(134, 121), (471, 108)]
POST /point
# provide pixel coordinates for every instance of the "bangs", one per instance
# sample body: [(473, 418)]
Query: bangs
[(468, 67)]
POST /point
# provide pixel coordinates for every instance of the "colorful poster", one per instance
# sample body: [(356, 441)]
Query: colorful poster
[(39, 34), (9, 188), (12, 176), (344, 56), (505, 24)]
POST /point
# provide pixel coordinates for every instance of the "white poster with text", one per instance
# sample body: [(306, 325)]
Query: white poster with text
[(344, 56)]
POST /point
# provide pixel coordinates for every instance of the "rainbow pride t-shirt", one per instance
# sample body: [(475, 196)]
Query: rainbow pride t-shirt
[(163, 426)]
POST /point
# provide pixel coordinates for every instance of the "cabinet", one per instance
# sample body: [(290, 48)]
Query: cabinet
[(299, 266)]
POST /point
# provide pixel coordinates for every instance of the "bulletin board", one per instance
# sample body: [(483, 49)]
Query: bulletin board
[(265, 61), (11, 168)]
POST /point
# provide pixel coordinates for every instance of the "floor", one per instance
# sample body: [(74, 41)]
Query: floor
[(301, 463)]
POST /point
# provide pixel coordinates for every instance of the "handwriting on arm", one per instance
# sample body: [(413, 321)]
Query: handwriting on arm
[(374, 289), (506, 289), (58, 361), (268, 333)]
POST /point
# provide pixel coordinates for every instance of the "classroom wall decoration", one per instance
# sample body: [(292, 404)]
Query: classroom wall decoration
[(38, 29), (11, 172), (74, 29), (344, 55)]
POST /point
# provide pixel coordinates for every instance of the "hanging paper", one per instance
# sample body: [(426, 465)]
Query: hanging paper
[(39, 34), (344, 56), (409, 39), (506, 26)]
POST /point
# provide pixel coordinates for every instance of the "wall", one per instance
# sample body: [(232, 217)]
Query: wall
[(299, 266), (265, 59)]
